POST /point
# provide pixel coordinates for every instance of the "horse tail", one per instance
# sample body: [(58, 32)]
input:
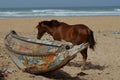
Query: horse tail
[(91, 39)]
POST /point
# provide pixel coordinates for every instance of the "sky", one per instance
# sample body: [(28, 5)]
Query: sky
[(56, 3)]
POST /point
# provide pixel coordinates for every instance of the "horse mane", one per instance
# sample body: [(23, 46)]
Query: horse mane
[(52, 23)]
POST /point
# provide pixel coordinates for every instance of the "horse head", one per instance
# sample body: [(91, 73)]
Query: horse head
[(46, 26)]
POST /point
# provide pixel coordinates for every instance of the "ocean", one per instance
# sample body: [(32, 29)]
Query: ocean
[(59, 12)]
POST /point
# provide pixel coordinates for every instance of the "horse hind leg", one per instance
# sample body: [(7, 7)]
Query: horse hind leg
[(84, 55)]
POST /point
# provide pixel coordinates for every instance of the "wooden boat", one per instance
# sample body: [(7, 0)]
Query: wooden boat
[(38, 56)]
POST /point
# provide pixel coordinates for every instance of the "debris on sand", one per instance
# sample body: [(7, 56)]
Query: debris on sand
[(4, 73), (116, 33)]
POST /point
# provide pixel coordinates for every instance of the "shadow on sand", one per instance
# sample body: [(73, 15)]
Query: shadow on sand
[(60, 75), (89, 65)]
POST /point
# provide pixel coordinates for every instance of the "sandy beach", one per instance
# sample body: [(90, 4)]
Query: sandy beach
[(102, 64)]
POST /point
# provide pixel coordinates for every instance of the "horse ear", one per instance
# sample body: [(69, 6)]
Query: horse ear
[(45, 24), (39, 23)]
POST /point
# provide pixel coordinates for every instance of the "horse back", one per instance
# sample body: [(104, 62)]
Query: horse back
[(73, 33)]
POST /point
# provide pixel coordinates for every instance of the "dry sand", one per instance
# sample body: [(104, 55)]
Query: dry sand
[(102, 64)]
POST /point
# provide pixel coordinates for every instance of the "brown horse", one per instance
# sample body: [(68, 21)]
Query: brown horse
[(76, 34)]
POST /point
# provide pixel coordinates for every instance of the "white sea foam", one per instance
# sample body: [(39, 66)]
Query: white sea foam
[(118, 9), (58, 12)]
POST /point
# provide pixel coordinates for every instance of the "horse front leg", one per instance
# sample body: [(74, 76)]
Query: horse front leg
[(84, 54)]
